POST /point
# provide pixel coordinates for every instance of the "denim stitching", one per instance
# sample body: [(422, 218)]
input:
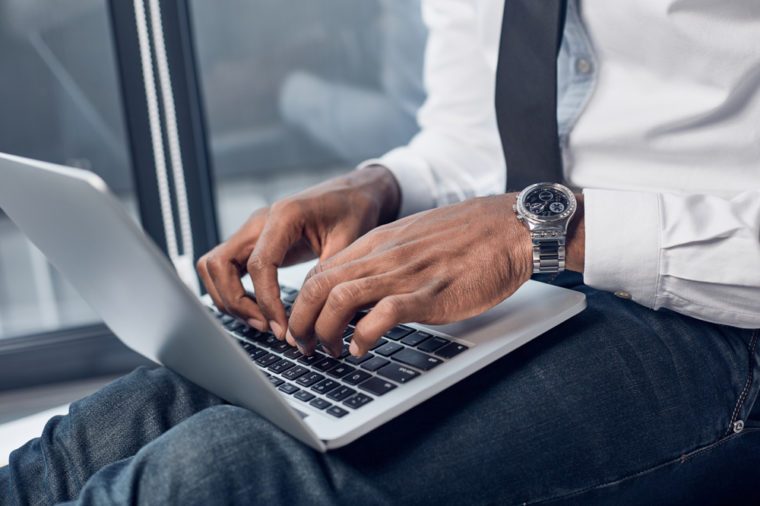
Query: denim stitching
[(747, 384), (682, 460)]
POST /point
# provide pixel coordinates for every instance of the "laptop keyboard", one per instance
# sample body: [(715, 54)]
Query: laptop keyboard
[(341, 385)]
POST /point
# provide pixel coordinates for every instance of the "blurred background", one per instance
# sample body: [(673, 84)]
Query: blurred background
[(292, 93)]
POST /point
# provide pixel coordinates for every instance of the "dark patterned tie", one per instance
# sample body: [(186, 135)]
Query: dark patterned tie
[(526, 90)]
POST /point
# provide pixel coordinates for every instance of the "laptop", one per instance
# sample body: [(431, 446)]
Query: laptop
[(326, 403)]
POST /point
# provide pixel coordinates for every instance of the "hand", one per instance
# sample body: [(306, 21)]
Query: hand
[(318, 222), (435, 267)]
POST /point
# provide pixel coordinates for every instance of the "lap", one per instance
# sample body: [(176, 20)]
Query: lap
[(617, 396), (614, 392)]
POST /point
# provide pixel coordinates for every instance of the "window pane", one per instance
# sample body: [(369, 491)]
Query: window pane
[(59, 102), (297, 92)]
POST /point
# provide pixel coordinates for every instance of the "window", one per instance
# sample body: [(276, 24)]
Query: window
[(301, 91), (274, 96), (59, 102)]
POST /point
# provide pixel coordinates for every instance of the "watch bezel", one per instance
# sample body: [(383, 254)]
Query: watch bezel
[(565, 215)]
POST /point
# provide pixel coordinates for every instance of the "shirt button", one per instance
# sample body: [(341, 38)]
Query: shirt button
[(623, 295), (583, 65)]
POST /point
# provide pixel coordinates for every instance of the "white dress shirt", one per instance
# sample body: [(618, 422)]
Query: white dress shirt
[(666, 145)]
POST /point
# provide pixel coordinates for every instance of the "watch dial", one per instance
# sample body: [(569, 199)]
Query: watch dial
[(546, 202)]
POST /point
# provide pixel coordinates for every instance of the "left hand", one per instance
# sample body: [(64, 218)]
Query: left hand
[(435, 267)]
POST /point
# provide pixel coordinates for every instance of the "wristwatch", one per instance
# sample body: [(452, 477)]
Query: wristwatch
[(546, 210)]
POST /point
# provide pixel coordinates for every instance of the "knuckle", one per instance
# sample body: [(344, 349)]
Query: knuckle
[(286, 208), (342, 297), (255, 263), (214, 264), (390, 308), (313, 290)]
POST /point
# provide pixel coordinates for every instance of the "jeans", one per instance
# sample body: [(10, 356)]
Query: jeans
[(619, 405)]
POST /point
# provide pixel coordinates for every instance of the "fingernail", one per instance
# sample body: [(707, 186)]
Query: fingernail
[(276, 329), (257, 324), (289, 338), (354, 349)]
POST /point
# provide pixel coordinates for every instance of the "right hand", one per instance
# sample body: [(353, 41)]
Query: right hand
[(317, 222)]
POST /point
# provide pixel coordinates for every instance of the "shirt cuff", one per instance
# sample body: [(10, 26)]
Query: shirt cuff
[(623, 243), (414, 177)]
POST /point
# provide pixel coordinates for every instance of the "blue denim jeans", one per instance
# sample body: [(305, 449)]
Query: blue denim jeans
[(619, 405)]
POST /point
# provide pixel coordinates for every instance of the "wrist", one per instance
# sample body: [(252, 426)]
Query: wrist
[(576, 238), (380, 183), (519, 242)]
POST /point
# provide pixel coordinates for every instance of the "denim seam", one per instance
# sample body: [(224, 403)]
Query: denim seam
[(679, 460), (747, 383)]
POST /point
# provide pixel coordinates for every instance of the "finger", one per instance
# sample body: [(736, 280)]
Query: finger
[(314, 294), (202, 270), (344, 301), (386, 314), (225, 276), (273, 244)]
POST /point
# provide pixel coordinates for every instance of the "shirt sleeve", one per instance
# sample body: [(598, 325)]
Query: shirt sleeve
[(698, 255), (457, 153)]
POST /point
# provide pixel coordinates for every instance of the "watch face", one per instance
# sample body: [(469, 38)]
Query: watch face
[(546, 202)]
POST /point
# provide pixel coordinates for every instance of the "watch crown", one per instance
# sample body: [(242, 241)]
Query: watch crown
[(514, 207)]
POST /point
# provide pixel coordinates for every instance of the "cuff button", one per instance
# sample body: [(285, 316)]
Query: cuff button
[(623, 295)]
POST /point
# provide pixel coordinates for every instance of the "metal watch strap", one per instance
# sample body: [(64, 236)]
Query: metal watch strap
[(548, 254)]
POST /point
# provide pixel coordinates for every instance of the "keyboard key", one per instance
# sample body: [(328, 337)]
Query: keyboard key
[(325, 364), (348, 332), (337, 412), (451, 350), (288, 388), (398, 373), (255, 352), (356, 377), (358, 360), (226, 319), (340, 370), (341, 393), (358, 316), (270, 340), (293, 354), (275, 381), (374, 364), (379, 344), (398, 332), (389, 349), (280, 347), (236, 325), (267, 360), (377, 386), (415, 338), (303, 395), (344, 352), (433, 344), (294, 372), (309, 379), (250, 333), (311, 359), (281, 366), (416, 359), (357, 401), (320, 403), (325, 386)]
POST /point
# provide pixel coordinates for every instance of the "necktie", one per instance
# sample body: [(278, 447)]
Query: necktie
[(526, 90)]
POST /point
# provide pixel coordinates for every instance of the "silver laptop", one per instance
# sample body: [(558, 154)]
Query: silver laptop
[(325, 402)]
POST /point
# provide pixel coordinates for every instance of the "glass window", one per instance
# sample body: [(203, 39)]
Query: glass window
[(59, 102), (297, 92)]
